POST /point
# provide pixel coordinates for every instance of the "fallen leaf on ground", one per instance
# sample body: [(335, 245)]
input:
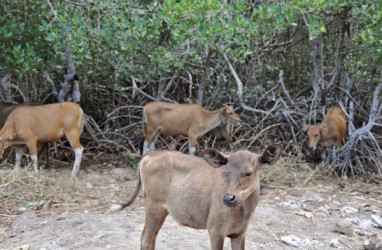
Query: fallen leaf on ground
[(305, 214)]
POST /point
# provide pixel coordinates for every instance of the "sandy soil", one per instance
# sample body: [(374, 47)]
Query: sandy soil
[(74, 217)]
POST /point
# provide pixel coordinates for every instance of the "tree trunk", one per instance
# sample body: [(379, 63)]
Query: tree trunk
[(343, 49), (70, 89), (203, 81), (318, 70)]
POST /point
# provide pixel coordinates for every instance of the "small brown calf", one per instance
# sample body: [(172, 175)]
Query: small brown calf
[(218, 193), (330, 132), (28, 125), (189, 120)]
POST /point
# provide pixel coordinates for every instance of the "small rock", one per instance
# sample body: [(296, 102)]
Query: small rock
[(23, 247), (88, 185), (117, 171), (365, 224), (295, 241), (348, 210), (335, 243), (377, 220), (344, 226)]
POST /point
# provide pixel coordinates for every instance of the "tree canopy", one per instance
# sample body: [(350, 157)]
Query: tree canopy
[(208, 52)]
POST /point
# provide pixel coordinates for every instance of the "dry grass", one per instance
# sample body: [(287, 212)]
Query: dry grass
[(54, 191), (291, 171), (103, 181)]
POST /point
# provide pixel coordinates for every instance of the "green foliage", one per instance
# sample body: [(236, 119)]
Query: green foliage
[(134, 160), (146, 39)]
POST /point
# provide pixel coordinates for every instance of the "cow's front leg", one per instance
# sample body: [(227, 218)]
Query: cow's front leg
[(19, 153), (238, 243), (217, 241), (32, 147), (216, 235), (192, 141), (154, 220)]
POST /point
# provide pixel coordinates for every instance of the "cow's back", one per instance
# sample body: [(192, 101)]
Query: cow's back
[(335, 121), (49, 119), (171, 119)]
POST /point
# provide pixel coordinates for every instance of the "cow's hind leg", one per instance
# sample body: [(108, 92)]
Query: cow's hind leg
[(153, 223), (74, 140), (32, 147), (150, 140)]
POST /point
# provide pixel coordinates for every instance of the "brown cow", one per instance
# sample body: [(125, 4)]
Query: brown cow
[(6, 109), (330, 131), (218, 193), (189, 120), (28, 125)]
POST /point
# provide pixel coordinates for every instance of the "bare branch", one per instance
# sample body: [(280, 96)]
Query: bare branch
[(135, 86), (283, 89), (53, 11), (239, 92)]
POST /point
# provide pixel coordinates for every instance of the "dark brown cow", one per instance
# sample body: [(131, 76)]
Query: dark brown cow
[(28, 125), (218, 193), (189, 120)]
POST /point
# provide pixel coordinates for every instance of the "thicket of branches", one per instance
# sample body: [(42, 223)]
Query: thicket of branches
[(280, 64)]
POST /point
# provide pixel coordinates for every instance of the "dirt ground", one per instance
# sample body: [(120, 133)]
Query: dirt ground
[(70, 214)]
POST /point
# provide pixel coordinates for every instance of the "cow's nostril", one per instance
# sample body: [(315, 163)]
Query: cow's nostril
[(229, 198)]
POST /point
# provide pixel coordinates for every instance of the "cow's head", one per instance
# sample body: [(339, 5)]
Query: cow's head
[(6, 142), (228, 115), (314, 135), (242, 170)]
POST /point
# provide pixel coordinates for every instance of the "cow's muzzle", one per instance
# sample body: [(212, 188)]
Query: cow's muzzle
[(310, 152), (230, 200)]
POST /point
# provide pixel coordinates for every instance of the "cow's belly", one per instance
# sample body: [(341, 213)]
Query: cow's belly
[(174, 131), (190, 216)]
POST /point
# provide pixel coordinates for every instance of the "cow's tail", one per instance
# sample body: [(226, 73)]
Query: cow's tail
[(119, 207), (144, 121)]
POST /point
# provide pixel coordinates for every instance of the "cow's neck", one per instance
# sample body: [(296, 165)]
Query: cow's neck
[(211, 119)]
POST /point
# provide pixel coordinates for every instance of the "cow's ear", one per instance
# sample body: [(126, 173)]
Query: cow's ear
[(323, 126), (224, 110), (214, 158), (271, 154)]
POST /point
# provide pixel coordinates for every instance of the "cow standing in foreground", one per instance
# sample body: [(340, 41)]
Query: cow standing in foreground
[(218, 193), (28, 125), (189, 120), (330, 132)]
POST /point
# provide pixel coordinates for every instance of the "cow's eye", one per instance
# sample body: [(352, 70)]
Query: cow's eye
[(248, 174), (316, 135)]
